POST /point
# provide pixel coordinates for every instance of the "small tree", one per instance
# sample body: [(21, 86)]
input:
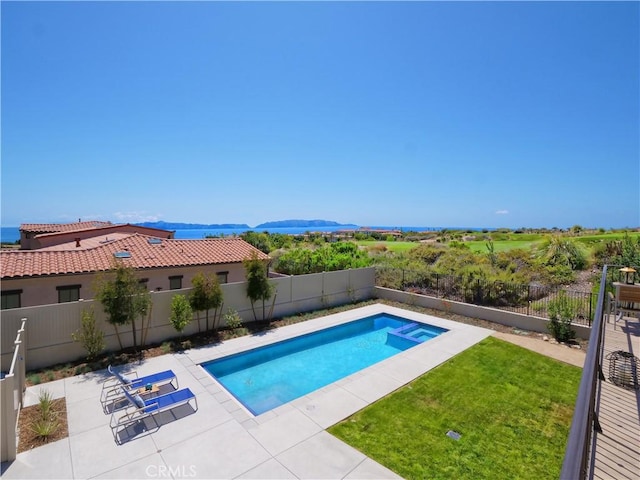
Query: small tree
[(561, 312), (123, 298), (206, 294), (181, 312), (258, 286), (89, 335)]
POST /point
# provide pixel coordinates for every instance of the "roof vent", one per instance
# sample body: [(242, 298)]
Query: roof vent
[(154, 241), (122, 254)]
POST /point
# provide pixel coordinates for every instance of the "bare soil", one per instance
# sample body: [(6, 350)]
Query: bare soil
[(28, 438)]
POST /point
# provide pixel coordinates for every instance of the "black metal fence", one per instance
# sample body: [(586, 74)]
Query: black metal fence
[(515, 297)]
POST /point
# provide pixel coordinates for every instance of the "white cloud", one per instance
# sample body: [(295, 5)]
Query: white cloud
[(135, 217), (502, 212)]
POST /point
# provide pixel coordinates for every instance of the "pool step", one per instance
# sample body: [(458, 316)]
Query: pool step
[(410, 334)]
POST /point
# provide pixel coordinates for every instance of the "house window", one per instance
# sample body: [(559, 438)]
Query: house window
[(68, 293), (143, 282), (222, 277), (175, 282), (11, 299)]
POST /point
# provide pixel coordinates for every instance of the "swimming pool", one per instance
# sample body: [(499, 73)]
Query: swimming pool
[(267, 377)]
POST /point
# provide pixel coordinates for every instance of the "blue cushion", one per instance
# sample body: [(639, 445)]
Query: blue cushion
[(137, 399), (123, 378)]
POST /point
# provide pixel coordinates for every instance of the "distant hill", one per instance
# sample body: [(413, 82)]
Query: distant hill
[(188, 226), (303, 224)]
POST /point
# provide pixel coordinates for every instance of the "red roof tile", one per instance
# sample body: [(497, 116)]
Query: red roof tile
[(62, 227), (157, 253)]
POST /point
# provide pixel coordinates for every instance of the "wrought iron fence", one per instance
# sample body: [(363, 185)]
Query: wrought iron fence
[(514, 297)]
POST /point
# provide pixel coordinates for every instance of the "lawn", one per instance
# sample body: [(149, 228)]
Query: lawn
[(591, 240), (395, 247), (501, 245), (512, 407)]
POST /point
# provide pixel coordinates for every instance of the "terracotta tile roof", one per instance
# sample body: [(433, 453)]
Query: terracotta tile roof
[(109, 227), (145, 252), (62, 227), (86, 243)]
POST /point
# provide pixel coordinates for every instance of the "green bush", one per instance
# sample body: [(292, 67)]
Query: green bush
[(44, 428), (232, 319), (45, 403), (47, 423), (181, 312), (89, 335), (561, 311)]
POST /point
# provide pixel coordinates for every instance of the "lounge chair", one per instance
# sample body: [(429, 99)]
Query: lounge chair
[(139, 408), (112, 388)]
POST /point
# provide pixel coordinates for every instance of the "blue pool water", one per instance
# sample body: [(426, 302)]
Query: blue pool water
[(267, 377)]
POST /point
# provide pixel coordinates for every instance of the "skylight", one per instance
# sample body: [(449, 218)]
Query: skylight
[(122, 254)]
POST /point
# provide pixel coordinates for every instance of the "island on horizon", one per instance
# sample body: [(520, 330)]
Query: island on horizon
[(275, 224), (303, 224), (188, 226)]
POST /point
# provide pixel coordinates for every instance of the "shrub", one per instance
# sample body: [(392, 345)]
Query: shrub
[(80, 369), (561, 312), (258, 286), (45, 428), (45, 404), (34, 379), (232, 320), (89, 335), (181, 312), (206, 294), (46, 424)]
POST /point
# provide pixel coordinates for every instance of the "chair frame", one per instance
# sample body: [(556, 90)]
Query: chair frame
[(132, 413), (112, 387), (625, 302)]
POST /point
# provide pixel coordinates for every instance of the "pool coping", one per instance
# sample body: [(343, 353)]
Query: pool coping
[(389, 375)]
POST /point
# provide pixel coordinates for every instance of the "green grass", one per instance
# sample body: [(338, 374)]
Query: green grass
[(395, 247), (511, 241), (512, 406), (501, 245), (590, 240)]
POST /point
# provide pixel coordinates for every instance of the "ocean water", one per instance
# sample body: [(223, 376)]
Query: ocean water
[(12, 234)]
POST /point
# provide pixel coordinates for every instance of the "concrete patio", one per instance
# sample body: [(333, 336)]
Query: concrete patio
[(221, 439)]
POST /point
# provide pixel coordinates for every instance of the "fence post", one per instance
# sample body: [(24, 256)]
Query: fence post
[(590, 302), (528, 298), (437, 285)]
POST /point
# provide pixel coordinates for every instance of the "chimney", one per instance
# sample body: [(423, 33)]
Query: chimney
[(77, 242)]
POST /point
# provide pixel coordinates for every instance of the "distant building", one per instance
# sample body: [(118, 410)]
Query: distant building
[(34, 236), (63, 266)]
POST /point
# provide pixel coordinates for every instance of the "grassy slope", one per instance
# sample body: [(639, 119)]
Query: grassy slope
[(522, 241), (395, 247), (501, 245), (513, 408)]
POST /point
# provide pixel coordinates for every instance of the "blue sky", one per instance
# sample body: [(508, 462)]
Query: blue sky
[(478, 114)]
